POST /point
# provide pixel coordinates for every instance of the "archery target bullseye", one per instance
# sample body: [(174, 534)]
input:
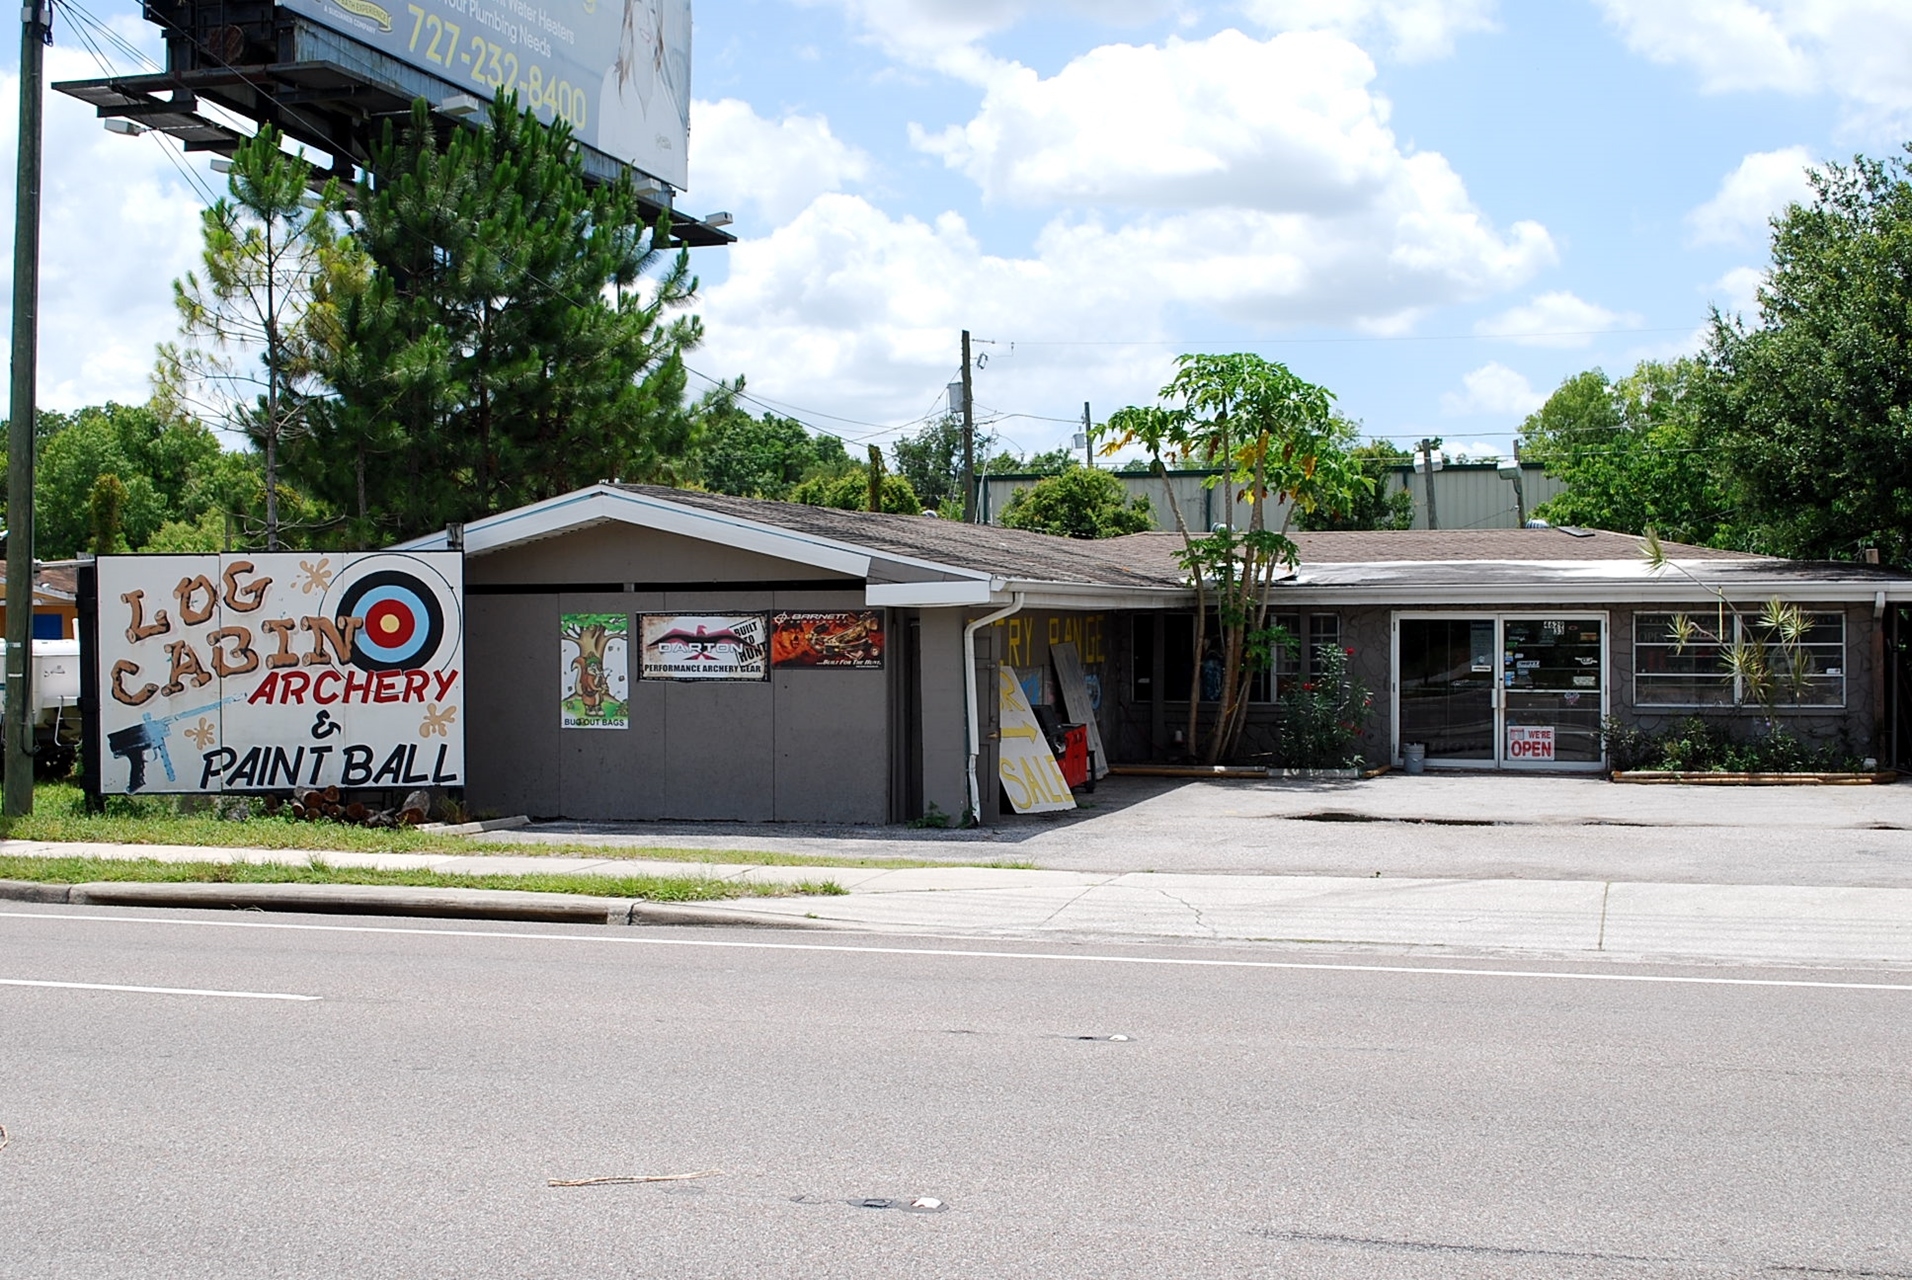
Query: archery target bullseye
[(403, 622)]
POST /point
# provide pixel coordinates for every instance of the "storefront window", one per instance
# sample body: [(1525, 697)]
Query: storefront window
[(1679, 660)]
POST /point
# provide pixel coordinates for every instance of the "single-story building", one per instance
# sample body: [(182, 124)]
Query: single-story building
[(641, 652)]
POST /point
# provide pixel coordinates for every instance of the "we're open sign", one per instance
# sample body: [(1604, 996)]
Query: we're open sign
[(1530, 742)]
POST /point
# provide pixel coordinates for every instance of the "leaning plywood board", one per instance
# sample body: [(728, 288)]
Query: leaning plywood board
[(1031, 778), (1076, 700)]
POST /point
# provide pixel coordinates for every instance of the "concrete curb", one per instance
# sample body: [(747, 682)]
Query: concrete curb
[(394, 900)]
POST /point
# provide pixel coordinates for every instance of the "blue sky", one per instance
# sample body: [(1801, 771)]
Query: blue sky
[(1437, 208)]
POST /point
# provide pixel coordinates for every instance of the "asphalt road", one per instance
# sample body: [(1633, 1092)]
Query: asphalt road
[(1279, 1113)]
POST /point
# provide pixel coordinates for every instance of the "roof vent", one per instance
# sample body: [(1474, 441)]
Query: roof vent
[(1572, 532)]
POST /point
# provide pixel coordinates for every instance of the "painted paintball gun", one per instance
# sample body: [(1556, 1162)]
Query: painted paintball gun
[(133, 742)]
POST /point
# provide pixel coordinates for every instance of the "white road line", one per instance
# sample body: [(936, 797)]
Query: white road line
[(156, 991), (1186, 962)]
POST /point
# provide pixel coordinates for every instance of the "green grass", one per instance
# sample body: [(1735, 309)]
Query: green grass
[(59, 816), (317, 871)]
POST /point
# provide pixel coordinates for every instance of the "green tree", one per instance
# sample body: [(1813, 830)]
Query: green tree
[(104, 506), (850, 491), (932, 460), (1053, 462), (1812, 405), (1635, 455), (507, 346), (1081, 502), (161, 463), (1275, 442), (1371, 506), (253, 329), (757, 457)]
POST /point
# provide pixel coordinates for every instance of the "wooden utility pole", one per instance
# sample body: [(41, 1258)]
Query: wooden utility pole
[(969, 438), (1427, 448), (1088, 436), (36, 28)]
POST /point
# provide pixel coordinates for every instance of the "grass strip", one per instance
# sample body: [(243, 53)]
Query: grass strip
[(59, 816), (317, 871)]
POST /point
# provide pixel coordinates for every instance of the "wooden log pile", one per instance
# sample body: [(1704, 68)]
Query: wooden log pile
[(312, 804)]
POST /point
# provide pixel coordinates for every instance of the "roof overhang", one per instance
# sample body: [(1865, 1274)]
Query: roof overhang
[(608, 504)]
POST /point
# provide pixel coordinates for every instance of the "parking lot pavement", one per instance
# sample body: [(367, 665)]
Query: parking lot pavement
[(1437, 826)]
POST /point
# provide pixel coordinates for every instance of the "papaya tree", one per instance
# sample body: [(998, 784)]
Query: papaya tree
[(1273, 443)]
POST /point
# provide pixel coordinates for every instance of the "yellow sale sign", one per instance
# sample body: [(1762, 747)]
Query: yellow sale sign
[(1030, 775)]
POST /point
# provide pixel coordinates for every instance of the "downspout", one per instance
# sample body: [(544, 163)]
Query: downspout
[(969, 695)]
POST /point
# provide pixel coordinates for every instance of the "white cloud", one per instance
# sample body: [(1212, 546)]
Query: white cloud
[(1273, 187), (1557, 319), (118, 225), (944, 33), (1764, 184), (1413, 30), (1737, 292), (1854, 49), (1493, 389), (773, 167), (1283, 124), (1250, 181)]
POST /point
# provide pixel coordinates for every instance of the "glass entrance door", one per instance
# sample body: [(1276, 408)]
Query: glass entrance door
[(1515, 691), (1448, 668)]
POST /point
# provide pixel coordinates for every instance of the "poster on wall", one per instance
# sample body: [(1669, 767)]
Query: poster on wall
[(1031, 778), (262, 672), (729, 646), (851, 641), (594, 656)]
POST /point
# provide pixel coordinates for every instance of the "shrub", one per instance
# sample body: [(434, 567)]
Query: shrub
[(1323, 719), (1696, 745)]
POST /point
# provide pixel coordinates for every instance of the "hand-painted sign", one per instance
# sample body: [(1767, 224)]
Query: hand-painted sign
[(1030, 775), (1533, 742), (594, 672), (281, 670), (728, 646), (846, 640)]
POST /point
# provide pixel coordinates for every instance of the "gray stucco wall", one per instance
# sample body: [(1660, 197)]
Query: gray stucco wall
[(806, 745)]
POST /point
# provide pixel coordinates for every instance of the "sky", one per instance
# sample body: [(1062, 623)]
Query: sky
[(1438, 209)]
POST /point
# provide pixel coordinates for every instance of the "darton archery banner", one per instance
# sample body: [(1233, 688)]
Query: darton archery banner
[(731, 646), (262, 672)]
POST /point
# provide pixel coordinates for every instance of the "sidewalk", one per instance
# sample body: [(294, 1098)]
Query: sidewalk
[(1562, 918)]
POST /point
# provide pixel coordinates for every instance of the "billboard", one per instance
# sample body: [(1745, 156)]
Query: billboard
[(617, 70), (267, 672)]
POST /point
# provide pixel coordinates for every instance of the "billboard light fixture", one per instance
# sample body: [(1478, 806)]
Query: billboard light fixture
[(221, 164), (460, 105), (125, 128), (720, 219)]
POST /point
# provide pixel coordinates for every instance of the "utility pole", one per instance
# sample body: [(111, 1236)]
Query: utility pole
[(1088, 436), (1428, 466), (969, 438), (36, 29)]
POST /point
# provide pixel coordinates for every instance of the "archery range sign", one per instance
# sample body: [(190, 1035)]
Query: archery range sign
[(262, 672)]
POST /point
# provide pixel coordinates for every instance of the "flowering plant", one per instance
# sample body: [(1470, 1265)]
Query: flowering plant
[(1323, 719)]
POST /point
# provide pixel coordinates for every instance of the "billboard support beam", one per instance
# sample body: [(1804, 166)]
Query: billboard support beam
[(36, 28)]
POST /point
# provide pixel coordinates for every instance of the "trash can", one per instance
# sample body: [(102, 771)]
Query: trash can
[(1414, 757)]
